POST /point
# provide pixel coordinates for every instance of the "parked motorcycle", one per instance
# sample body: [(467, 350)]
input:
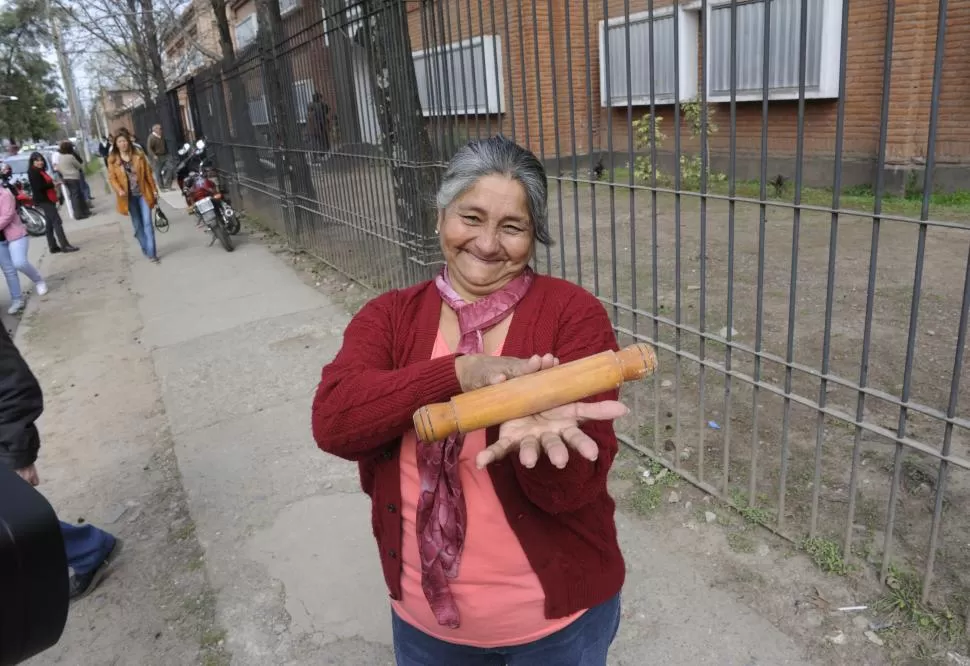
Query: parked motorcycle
[(197, 179), (207, 202), (34, 220)]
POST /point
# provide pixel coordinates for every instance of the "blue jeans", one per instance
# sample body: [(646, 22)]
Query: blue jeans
[(86, 546), (85, 188), (13, 258), (141, 220), (585, 642)]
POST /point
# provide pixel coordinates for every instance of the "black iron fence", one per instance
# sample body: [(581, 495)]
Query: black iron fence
[(766, 191)]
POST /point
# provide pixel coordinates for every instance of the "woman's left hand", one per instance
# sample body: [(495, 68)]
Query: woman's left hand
[(554, 432)]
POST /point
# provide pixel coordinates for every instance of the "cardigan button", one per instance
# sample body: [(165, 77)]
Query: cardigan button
[(392, 553), (387, 455), (391, 508)]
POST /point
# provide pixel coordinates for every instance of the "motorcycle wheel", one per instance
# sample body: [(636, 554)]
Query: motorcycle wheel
[(34, 221), (232, 224), (219, 229)]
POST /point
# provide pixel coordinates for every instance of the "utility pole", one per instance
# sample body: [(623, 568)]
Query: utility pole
[(67, 74)]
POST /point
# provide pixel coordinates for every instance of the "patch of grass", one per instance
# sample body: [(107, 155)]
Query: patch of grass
[(740, 541), (647, 495), (903, 603), (646, 432), (826, 555), (211, 637), (215, 659), (753, 514), (915, 475), (183, 532), (92, 166), (860, 197)]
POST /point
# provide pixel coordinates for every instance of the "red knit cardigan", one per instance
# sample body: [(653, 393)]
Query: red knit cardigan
[(564, 519)]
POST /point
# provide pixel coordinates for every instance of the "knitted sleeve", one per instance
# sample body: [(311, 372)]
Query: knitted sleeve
[(584, 329), (363, 401)]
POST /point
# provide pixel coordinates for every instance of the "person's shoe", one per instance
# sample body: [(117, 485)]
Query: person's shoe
[(155, 260), (69, 248), (16, 307), (54, 250), (41, 288), (82, 585)]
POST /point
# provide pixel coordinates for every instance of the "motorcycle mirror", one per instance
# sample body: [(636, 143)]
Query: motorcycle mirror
[(200, 144)]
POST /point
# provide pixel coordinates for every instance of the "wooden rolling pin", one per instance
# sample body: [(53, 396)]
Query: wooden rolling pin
[(534, 393)]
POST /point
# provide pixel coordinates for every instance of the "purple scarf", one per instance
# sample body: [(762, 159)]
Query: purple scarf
[(441, 515)]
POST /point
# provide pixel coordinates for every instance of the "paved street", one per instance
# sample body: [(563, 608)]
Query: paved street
[(178, 405)]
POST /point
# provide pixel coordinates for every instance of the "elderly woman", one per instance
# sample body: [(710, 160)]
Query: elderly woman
[(501, 547)]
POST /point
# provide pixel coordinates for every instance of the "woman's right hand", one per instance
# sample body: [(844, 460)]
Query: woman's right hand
[(478, 370), (120, 193)]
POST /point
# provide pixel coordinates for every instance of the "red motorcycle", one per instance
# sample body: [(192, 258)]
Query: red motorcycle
[(204, 197)]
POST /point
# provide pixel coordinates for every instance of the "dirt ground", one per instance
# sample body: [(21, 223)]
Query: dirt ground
[(798, 478), (801, 475), (103, 413)]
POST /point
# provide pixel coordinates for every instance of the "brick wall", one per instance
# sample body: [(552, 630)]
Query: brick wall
[(536, 59)]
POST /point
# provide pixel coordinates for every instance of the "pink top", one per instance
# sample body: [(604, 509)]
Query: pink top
[(10, 225), (498, 594)]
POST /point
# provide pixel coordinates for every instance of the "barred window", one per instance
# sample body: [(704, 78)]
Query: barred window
[(461, 78)]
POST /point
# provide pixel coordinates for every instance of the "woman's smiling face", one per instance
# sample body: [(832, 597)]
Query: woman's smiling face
[(486, 236)]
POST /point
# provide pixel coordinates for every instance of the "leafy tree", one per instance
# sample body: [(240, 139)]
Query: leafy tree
[(25, 73)]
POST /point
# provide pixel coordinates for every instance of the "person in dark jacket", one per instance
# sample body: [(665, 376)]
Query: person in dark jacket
[(44, 192), (104, 148), (89, 549)]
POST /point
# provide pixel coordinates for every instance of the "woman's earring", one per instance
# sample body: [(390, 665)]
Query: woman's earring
[(437, 231)]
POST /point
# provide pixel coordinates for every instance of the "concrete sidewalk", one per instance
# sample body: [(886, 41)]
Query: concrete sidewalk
[(240, 341), (236, 342)]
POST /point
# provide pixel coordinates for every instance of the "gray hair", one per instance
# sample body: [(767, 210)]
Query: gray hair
[(499, 155)]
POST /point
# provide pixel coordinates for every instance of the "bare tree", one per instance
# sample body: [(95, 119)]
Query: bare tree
[(403, 129)]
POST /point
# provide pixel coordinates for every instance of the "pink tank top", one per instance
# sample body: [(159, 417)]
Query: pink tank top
[(498, 594)]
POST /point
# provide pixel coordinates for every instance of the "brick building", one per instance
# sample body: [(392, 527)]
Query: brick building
[(532, 60), (553, 74), (115, 108), (316, 60), (189, 44)]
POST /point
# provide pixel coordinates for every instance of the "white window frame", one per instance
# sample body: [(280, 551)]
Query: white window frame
[(687, 27), (829, 59), (241, 44), (355, 24), (259, 103), (494, 76), (289, 6), (301, 108)]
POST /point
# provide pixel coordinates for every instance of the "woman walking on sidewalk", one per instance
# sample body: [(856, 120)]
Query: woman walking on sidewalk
[(44, 192), (13, 252), (130, 176)]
